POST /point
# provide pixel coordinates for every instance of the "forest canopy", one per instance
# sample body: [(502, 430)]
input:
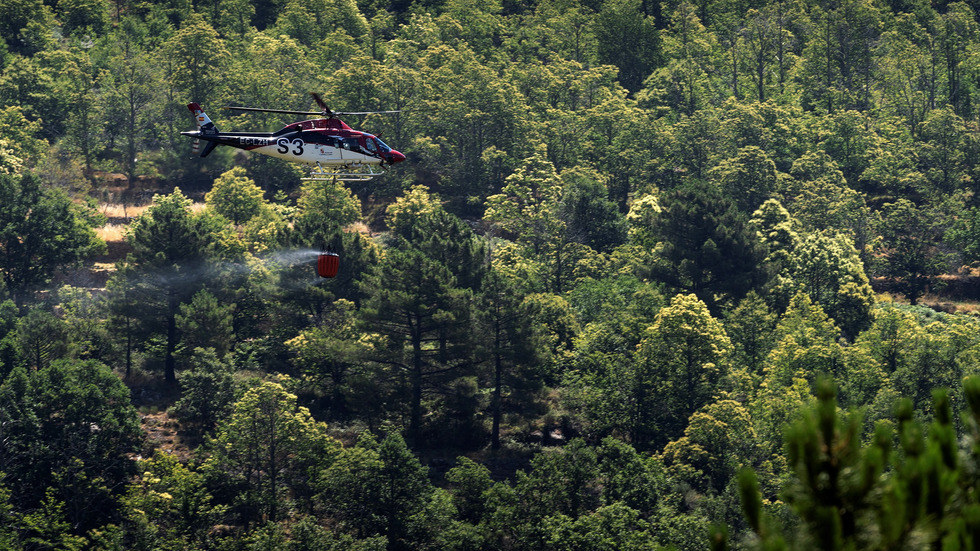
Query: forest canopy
[(653, 275)]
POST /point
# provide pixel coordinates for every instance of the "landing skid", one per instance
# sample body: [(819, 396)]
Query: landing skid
[(346, 173)]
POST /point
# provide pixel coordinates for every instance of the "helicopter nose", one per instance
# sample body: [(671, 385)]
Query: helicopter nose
[(395, 157)]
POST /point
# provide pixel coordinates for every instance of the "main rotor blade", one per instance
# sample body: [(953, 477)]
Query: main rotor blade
[(285, 111), (323, 105), (326, 113), (330, 113), (365, 112)]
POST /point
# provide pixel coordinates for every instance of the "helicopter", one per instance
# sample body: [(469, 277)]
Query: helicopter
[(326, 144)]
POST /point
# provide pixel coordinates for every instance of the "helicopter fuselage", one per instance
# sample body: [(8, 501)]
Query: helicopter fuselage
[(316, 142)]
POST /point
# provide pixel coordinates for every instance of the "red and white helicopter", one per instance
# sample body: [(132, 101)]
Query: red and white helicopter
[(326, 143)]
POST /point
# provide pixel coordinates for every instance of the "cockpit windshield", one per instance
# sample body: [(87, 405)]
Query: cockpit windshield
[(382, 146)]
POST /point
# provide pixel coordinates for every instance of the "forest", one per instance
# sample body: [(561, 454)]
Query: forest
[(691, 274)]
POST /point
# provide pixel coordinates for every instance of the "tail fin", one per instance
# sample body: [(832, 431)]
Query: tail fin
[(204, 126)]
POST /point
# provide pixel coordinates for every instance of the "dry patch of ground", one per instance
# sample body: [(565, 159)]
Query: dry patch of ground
[(161, 434), (152, 398), (951, 293), (120, 213), (111, 233)]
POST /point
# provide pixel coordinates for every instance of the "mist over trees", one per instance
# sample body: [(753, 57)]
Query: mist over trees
[(653, 275)]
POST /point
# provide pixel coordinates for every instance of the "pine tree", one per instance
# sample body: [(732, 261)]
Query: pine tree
[(170, 247), (514, 347), (708, 248), (41, 231), (910, 247), (842, 497), (415, 303)]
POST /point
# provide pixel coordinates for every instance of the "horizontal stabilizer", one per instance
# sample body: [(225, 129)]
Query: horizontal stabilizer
[(208, 148)]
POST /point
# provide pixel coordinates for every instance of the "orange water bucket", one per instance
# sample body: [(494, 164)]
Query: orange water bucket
[(328, 264)]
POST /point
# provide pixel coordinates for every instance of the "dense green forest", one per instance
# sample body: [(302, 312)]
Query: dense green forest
[(618, 297)]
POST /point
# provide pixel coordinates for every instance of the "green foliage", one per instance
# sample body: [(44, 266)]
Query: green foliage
[(41, 231), (844, 501), (471, 482), (323, 206), (9, 356), (168, 505), (719, 438), (268, 452), (828, 269), (708, 248), (196, 55), (21, 136), (83, 313), (207, 391), (592, 218), (806, 345), (235, 196), (611, 527), (642, 218), (530, 210), (71, 430), (618, 314), (440, 235), (380, 489), (47, 527), (21, 21), (415, 304), (511, 297), (942, 159), (405, 212), (561, 482), (749, 178), (682, 358), (7, 519), (41, 338), (627, 38), (267, 230), (604, 493), (964, 234), (818, 194), (298, 20), (330, 352), (305, 533), (909, 250), (79, 17), (205, 323), (751, 327), (682, 85), (516, 349), (169, 247), (166, 234)]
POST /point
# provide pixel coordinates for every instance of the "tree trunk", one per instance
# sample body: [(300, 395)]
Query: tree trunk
[(170, 372), (129, 348), (497, 382), (415, 421), (273, 467)]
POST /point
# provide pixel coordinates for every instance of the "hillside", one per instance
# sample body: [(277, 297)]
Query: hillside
[(646, 270)]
